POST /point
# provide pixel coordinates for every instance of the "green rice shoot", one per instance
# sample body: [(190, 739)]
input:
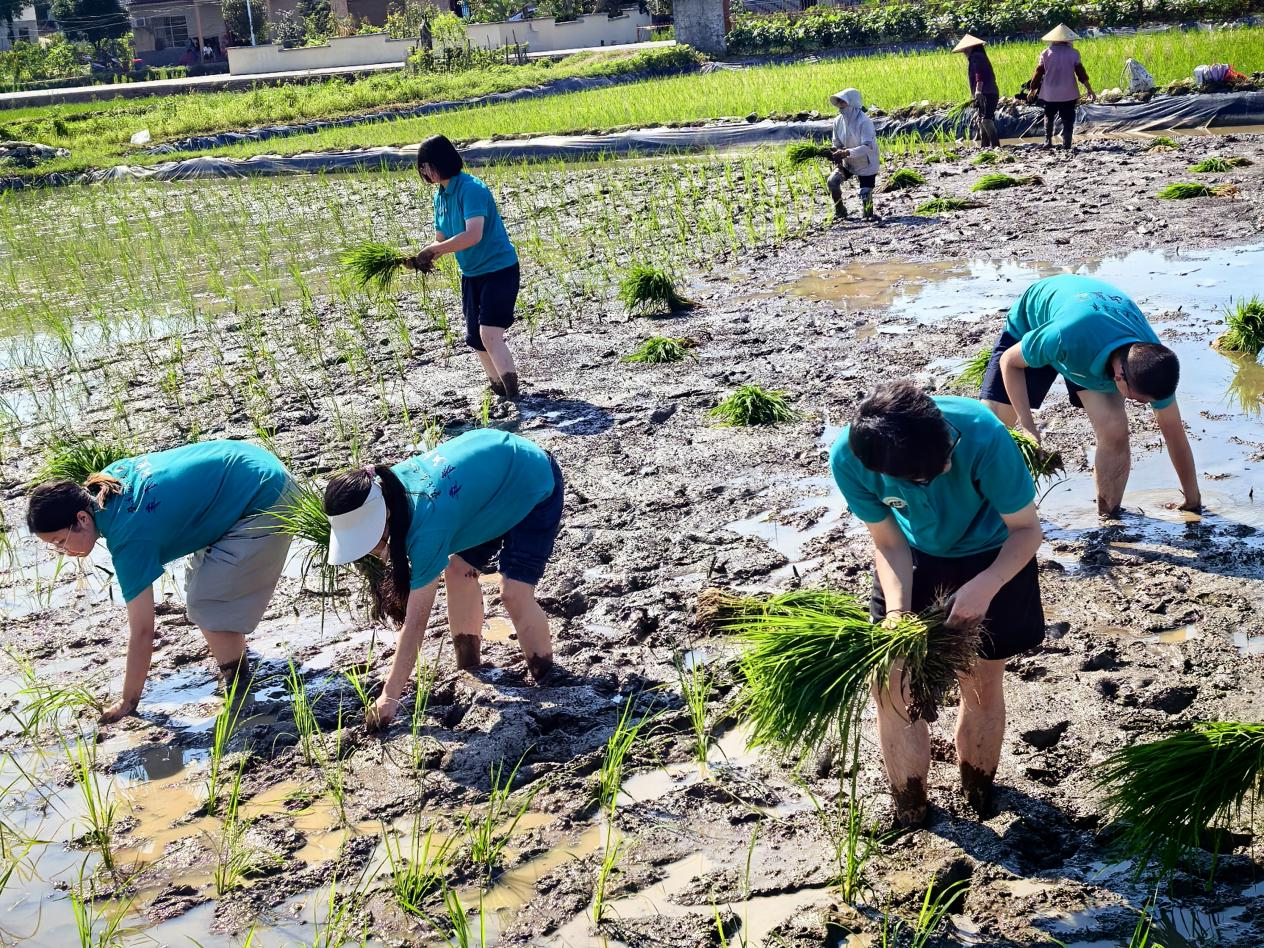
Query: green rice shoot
[(903, 179), (750, 406), (989, 158), (1184, 190), (945, 205), (1216, 164), (657, 350), (1172, 795), (1043, 465), (798, 153), (647, 290), (78, 458), (997, 182), (1162, 142), (373, 265), (1244, 327), (971, 375)]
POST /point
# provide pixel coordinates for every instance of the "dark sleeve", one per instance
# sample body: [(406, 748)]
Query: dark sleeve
[(1039, 74), (1081, 73)]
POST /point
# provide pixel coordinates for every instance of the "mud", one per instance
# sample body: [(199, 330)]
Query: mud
[(1152, 618)]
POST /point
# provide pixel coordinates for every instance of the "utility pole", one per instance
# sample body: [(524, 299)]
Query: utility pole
[(250, 18)]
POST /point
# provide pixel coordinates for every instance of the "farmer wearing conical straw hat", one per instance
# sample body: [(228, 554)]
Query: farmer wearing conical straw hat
[(855, 153), (1094, 336), (950, 506), (1057, 76), (984, 91)]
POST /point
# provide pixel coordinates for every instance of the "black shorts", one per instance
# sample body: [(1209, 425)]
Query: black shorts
[(1015, 621), (1039, 380), (523, 552), (489, 300), (866, 180)]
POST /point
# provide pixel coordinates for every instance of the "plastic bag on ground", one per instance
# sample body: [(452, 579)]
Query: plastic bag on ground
[(1137, 78)]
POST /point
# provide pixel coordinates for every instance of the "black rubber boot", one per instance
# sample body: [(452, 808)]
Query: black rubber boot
[(840, 210), (866, 201), (510, 381)]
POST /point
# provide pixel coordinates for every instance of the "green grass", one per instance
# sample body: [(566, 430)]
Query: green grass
[(1042, 464), (75, 458), (660, 349), (990, 158), (997, 182), (971, 376), (1217, 165), (946, 205), (1244, 327), (1163, 142), (1184, 190), (902, 180), (373, 265), (649, 291), (751, 405), (798, 153)]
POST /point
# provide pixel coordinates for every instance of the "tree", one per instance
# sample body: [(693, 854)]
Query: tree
[(10, 10), (92, 20), (237, 21)]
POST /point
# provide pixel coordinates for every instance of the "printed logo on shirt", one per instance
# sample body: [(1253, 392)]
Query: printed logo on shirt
[(896, 503)]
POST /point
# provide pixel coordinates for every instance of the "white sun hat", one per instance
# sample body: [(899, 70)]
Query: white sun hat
[(1060, 34), (355, 533)]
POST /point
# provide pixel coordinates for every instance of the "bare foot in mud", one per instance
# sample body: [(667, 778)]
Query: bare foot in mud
[(910, 804), (976, 785), (468, 649), (540, 667)]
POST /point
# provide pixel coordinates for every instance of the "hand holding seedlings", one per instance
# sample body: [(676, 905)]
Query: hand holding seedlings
[(969, 604), (423, 262)]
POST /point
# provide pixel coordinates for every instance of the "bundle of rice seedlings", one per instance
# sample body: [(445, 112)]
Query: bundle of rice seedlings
[(809, 664), (373, 265), (971, 376), (1043, 465), (645, 290), (719, 609), (751, 405), (658, 349), (902, 180), (77, 458), (1244, 322), (946, 204), (798, 153), (1183, 190), (1169, 793), (995, 182), (1162, 142), (988, 158), (1212, 165)]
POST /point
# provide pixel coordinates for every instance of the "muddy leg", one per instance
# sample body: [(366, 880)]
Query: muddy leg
[(866, 202), (465, 611), (990, 138), (501, 358), (905, 752), (229, 651), (532, 626), (835, 184), (493, 377), (980, 732)]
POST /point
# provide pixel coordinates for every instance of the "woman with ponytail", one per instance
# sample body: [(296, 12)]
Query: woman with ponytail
[(214, 501), (486, 497)]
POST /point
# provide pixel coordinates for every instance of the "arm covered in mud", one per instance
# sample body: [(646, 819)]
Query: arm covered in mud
[(893, 561), (971, 602), (1173, 430), (140, 651), (416, 616)]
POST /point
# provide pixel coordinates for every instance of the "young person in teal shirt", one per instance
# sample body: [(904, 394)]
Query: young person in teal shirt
[(215, 501), (468, 224), (486, 497), (951, 509), (1094, 336)]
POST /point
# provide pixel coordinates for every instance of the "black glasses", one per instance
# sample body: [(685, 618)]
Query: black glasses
[(956, 440)]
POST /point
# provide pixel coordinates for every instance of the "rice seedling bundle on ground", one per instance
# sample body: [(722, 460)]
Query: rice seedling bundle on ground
[(810, 658), (1215, 164), (947, 204), (751, 405), (660, 349), (902, 180), (996, 182), (373, 265), (1161, 142), (798, 153), (646, 290), (1184, 190), (971, 375), (1244, 328), (989, 158), (76, 459), (1043, 465), (1178, 793)]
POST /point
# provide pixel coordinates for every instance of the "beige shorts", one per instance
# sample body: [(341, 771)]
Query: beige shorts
[(229, 584)]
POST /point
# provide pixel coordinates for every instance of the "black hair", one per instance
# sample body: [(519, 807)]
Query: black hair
[(55, 505), (348, 491), (900, 432), (440, 154), (1152, 370)]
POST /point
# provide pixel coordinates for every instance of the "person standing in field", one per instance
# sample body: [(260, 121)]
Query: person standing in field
[(855, 153), (1094, 336), (1057, 78), (486, 497), (468, 224), (984, 92), (951, 509), (216, 501)]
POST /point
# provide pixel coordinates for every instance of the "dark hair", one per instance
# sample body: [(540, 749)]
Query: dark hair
[(1152, 370), (347, 492), (441, 155), (55, 505), (900, 432)]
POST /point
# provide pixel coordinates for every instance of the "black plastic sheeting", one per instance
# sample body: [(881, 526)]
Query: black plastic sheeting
[(264, 133), (1163, 112)]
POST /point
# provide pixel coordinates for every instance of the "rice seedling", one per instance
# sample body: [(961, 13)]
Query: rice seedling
[(76, 458), (1184, 190), (970, 377), (611, 851), (224, 729), (945, 205), (419, 871), (1043, 464), (989, 158), (97, 929), (424, 680), (935, 908), (457, 932), (304, 717), (751, 405), (1216, 164), (696, 683), (40, 709), (627, 731), (997, 182), (357, 676), (1162, 142), (809, 662), (902, 180), (660, 349), (340, 914), (373, 265), (646, 290), (332, 772), (853, 843), (236, 859), (99, 809), (491, 832), (1244, 327), (1178, 793), (798, 153)]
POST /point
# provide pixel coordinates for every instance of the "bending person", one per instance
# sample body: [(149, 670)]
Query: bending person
[(1094, 336), (450, 513), (215, 501), (984, 92), (950, 506), (468, 224), (855, 153)]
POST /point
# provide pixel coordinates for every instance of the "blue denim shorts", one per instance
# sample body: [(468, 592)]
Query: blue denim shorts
[(1039, 379), (523, 552)]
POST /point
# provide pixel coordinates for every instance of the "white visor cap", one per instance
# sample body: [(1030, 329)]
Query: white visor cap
[(355, 533)]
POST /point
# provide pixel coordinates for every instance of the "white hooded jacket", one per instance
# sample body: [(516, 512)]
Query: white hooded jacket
[(854, 130)]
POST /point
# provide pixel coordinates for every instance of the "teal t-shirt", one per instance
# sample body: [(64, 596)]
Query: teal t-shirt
[(467, 491), (959, 512), (1074, 323), (180, 501), (463, 197)]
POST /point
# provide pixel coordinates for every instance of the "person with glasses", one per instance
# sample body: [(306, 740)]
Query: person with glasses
[(1094, 336), (950, 507)]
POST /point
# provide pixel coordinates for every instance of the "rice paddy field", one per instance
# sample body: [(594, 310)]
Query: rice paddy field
[(622, 803)]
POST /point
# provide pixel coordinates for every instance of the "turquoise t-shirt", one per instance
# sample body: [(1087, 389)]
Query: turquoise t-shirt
[(1074, 323), (463, 197), (180, 501), (959, 512), (467, 491)]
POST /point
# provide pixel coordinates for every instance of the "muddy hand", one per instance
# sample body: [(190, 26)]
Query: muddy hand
[(117, 712), (970, 603), (381, 714)]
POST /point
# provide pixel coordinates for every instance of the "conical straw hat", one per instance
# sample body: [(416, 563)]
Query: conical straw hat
[(1060, 34), (968, 42)]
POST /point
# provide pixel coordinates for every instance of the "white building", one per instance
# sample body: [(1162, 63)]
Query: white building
[(24, 27)]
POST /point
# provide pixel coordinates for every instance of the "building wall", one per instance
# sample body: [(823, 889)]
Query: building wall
[(370, 50), (545, 35), (25, 27), (700, 24), (158, 28)]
